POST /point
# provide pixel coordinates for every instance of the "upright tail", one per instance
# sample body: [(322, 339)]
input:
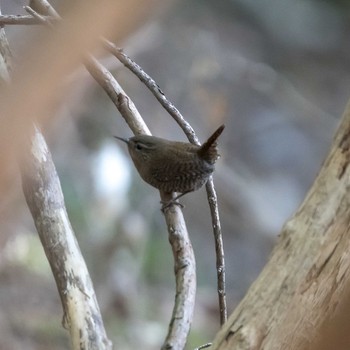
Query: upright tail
[(208, 150)]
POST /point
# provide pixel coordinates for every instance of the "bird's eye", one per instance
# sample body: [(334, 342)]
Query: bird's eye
[(138, 147)]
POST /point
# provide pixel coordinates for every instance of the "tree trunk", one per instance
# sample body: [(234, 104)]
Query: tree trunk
[(300, 294)]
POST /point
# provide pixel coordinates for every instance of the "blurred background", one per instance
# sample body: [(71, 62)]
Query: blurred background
[(275, 72)]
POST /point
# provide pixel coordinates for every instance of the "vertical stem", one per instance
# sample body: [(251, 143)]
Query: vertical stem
[(219, 249)]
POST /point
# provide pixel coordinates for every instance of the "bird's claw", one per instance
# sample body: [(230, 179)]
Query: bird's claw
[(166, 205)]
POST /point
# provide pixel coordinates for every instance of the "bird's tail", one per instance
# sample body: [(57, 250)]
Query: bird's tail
[(208, 150)]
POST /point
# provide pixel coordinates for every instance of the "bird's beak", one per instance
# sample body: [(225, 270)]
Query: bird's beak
[(122, 139)]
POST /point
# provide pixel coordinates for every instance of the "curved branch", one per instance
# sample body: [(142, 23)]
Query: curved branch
[(184, 259), (154, 88), (44, 197), (117, 95), (211, 193)]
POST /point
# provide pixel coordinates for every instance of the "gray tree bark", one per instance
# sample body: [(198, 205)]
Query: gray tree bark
[(306, 282), (43, 194)]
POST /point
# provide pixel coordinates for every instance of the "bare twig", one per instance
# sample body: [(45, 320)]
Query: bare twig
[(5, 53), (38, 16), (184, 259), (219, 249), (204, 346), (154, 88), (188, 130), (19, 20), (41, 12)]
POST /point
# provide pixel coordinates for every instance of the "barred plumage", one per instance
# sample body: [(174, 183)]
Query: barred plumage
[(172, 166)]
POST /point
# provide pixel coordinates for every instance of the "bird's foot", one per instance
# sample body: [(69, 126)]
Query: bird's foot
[(166, 205)]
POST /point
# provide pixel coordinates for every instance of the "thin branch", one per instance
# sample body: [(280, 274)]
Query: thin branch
[(5, 53), (204, 346), (188, 130), (19, 20), (154, 88), (219, 249), (38, 16)]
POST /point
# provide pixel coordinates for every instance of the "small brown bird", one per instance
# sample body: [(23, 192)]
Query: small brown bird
[(173, 166)]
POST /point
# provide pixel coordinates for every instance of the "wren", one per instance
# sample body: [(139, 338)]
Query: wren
[(172, 166)]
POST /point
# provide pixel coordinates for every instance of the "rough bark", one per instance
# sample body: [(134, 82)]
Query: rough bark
[(185, 277), (44, 197), (307, 276)]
